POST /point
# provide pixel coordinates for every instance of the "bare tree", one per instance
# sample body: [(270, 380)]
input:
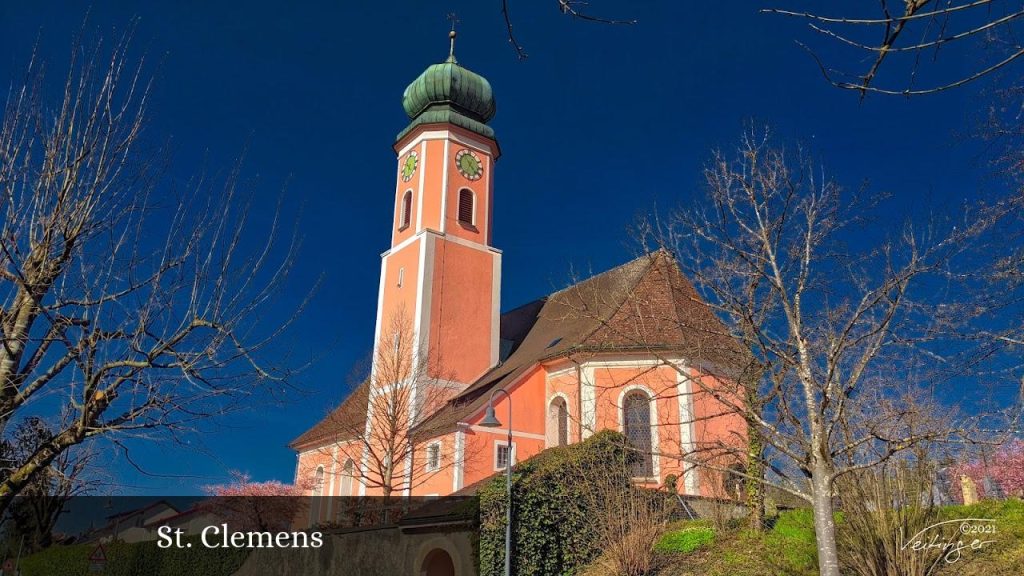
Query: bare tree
[(627, 520), (883, 510), (575, 9), (912, 40), (133, 308), (856, 336), (910, 37), (389, 452)]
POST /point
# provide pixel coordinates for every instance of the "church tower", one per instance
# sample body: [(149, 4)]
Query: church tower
[(441, 274)]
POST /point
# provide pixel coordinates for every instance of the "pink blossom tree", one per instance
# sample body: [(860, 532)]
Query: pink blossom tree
[(1004, 469), (248, 505)]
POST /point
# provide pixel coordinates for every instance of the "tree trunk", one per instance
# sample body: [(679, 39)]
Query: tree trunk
[(824, 524), (755, 475)]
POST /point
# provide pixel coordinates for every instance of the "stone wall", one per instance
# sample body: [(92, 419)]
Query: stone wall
[(372, 552), (710, 508)]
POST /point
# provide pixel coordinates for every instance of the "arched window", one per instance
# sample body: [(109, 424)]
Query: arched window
[(558, 422), (433, 457), (466, 206), (318, 491), (406, 210), (318, 481), (348, 471), (636, 425)]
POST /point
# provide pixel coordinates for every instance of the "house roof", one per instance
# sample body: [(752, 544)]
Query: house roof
[(192, 511), (142, 510), (643, 305)]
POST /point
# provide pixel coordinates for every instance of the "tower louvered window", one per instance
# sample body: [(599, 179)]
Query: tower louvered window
[(406, 210), (466, 206)]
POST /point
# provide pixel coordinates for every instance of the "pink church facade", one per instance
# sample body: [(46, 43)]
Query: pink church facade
[(631, 349)]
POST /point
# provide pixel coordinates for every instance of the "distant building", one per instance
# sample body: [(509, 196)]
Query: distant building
[(632, 349), (130, 526), (191, 522), (141, 524)]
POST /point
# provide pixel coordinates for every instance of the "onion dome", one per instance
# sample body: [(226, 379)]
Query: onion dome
[(449, 93)]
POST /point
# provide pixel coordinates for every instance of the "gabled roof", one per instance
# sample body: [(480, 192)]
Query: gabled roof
[(643, 305)]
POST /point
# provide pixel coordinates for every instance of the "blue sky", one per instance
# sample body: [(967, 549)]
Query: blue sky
[(600, 125)]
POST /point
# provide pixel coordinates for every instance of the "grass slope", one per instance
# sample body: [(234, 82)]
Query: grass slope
[(788, 548)]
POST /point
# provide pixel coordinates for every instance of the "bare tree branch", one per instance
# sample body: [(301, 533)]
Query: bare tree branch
[(933, 20), (137, 316)]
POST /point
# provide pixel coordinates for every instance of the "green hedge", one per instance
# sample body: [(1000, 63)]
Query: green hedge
[(552, 534), (143, 558)]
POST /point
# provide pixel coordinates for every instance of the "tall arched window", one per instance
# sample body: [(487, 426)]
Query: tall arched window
[(558, 422), (636, 425), (347, 473), (406, 210), (318, 491), (466, 206)]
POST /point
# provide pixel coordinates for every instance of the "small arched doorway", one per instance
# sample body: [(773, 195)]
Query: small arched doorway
[(437, 563)]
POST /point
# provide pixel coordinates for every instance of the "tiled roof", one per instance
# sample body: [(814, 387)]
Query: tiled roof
[(643, 305)]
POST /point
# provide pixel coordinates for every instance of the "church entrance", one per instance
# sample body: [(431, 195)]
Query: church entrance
[(437, 563)]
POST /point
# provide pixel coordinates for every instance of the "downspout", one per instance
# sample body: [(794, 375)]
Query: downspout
[(579, 401)]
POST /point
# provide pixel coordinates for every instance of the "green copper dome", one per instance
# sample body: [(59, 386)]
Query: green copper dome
[(447, 92)]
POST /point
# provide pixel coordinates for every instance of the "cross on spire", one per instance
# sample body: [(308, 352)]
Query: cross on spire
[(454, 19)]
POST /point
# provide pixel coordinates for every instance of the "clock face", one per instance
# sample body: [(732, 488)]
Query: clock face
[(409, 166), (469, 164)]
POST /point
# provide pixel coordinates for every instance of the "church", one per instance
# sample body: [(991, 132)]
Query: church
[(632, 349)]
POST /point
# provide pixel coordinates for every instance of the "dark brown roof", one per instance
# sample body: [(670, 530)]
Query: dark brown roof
[(342, 423), (643, 305)]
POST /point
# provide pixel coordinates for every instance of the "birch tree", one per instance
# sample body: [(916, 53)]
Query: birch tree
[(860, 330)]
